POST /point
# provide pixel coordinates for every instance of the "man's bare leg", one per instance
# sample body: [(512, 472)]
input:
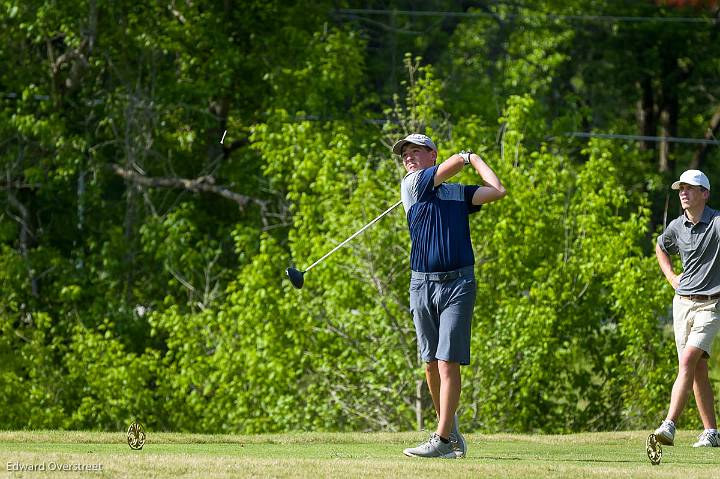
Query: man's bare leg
[(432, 376), (704, 395), (444, 383), (450, 384), (684, 381)]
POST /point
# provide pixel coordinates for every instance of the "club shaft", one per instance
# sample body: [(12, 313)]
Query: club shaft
[(354, 235)]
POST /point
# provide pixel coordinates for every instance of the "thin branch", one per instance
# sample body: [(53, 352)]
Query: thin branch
[(201, 184), (18, 185)]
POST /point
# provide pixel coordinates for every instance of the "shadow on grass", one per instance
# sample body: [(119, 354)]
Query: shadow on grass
[(583, 460)]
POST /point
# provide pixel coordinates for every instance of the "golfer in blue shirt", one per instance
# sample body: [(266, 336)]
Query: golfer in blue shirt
[(442, 285)]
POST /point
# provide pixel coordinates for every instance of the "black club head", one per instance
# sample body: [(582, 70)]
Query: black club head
[(297, 278)]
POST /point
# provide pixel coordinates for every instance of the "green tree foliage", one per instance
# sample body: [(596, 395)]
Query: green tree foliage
[(599, 67), (141, 260), (553, 258)]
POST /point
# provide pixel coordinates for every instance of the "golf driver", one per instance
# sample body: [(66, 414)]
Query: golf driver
[(297, 278)]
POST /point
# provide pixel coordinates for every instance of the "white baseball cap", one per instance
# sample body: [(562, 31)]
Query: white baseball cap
[(692, 177), (415, 139)]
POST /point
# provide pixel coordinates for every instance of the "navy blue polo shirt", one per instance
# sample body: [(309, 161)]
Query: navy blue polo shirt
[(438, 222)]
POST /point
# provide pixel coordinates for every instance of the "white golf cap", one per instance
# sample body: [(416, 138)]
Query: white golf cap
[(692, 177), (415, 139)]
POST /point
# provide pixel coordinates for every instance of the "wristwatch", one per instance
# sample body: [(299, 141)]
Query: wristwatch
[(466, 156)]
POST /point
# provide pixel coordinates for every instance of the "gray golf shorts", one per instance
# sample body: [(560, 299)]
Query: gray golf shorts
[(442, 307)]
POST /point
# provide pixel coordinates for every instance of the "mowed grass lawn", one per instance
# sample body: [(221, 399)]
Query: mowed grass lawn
[(349, 455)]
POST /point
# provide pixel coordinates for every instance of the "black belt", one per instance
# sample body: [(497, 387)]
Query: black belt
[(467, 272), (700, 297)]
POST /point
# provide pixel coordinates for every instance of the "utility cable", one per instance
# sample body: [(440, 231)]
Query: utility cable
[(591, 18)]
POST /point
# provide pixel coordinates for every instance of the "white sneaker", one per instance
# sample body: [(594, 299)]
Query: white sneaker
[(708, 439), (457, 439), (665, 434), (434, 447)]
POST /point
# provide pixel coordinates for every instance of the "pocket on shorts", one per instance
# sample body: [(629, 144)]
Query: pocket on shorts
[(469, 284), (416, 284)]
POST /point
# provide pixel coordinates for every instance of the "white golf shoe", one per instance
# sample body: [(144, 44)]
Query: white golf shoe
[(708, 439), (434, 447), (665, 434), (457, 439)]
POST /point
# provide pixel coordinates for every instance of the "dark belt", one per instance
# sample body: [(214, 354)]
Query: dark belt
[(467, 272), (700, 297)]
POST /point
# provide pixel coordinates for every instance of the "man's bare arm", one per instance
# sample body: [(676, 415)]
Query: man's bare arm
[(449, 168), (493, 189), (666, 266)]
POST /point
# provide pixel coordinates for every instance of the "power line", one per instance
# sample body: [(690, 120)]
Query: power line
[(574, 134), (671, 139), (590, 18)]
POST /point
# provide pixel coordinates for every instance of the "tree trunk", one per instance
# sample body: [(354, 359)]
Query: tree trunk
[(26, 238), (668, 128), (419, 387), (698, 161), (646, 113), (664, 148)]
